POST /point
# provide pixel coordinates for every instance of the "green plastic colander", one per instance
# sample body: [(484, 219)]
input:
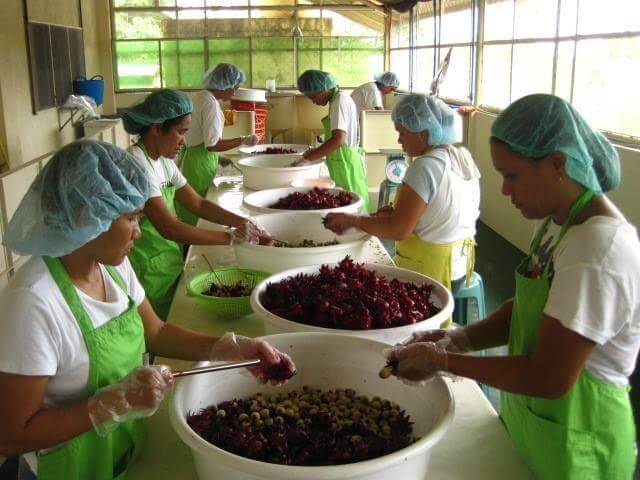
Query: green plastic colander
[(225, 307)]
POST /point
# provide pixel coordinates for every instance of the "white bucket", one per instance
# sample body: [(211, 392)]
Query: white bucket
[(260, 202), (323, 361), (441, 297), (271, 171), (294, 227)]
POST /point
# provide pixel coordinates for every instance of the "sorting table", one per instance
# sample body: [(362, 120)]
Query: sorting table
[(476, 446)]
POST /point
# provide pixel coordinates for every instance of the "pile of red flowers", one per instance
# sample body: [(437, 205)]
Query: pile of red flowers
[(275, 150), (314, 199), (349, 297), (238, 289), (305, 427)]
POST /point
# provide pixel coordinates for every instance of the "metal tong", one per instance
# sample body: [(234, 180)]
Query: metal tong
[(215, 368)]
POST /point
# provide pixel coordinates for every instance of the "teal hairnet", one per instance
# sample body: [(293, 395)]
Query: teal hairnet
[(223, 76), (156, 108), (417, 113), (314, 81), (539, 124), (84, 187), (388, 79)]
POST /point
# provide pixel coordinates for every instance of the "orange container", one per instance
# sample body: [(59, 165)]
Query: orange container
[(261, 110)]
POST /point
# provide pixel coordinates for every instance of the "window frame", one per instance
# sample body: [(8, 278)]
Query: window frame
[(295, 7), (479, 43)]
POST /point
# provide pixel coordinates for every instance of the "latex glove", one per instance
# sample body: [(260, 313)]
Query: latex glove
[(417, 363), (136, 396), (249, 140), (453, 340), (247, 232), (338, 222), (275, 366)]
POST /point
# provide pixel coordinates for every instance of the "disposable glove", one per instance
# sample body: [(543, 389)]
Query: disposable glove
[(417, 363), (247, 232), (275, 366), (136, 396), (249, 140), (454, 340), (338, 222)]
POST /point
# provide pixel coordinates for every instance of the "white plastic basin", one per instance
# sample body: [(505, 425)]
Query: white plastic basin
[(258, 149), (271, 171), (324, 361), (441, 297), (260, 202), (294, 227)]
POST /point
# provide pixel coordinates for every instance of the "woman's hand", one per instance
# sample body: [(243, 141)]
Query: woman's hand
[(417, 363), (454, 340), (275, 366), (339, 222), (138, 395)]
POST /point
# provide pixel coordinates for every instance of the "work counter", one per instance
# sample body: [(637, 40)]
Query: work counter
[(476, 446)]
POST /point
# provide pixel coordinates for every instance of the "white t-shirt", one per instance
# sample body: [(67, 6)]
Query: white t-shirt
[(453, 204), (207, 120), (595, 291), (367, 97), (344, 116), (40, 336), (156, 171)]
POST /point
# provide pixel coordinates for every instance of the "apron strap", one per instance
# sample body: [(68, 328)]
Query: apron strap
[(68, 290), (576, 208)]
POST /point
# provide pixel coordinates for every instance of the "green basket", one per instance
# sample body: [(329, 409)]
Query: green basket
[(225, 307)]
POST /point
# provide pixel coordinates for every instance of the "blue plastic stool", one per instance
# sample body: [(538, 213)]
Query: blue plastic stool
[(461, 296)]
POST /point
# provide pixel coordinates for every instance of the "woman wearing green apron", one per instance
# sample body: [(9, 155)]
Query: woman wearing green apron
[(434, 219), (573, 325), (341, 147), (204, 138), (75, 323), (161, 122)]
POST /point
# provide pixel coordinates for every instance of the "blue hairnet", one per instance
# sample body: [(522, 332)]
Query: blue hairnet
[(539, 124), (84, 187), (223, 76), (388, 79), (417, 113), (314, 81), (156, 108)]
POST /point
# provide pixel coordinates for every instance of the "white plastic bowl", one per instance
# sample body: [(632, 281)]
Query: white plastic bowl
[(260, 202), (272, 171), (324, 361), (259, 149), (440, 297), (294, 227), (321, 182)]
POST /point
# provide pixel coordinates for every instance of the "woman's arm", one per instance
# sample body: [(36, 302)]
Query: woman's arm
[(224, 145), (395, 225), (27, 425), (173, 341), (173, 229), (206, 209), (549, 372), (493, 331), (338, 138)]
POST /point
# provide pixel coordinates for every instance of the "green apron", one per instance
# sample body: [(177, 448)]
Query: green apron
[(156, 260), (199, 168), (346, 166), (589, 432), (115, 349)]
